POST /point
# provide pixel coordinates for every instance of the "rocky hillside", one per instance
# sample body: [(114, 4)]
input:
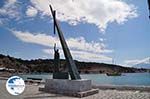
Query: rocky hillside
[(46, 65)]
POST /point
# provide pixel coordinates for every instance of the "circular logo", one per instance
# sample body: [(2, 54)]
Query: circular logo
[(15, 85)]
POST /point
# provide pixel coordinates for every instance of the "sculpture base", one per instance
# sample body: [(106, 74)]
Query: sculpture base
[(77, 88), (60, 75)]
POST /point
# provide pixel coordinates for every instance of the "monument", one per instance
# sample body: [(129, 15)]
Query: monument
[(57, 74), (60, 83), (56, 59), (71, 64)]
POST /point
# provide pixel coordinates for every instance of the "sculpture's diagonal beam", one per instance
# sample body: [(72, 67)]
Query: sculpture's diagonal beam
[(71, 64)]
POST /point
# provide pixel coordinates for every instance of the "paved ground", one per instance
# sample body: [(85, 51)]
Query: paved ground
[(31, 92)]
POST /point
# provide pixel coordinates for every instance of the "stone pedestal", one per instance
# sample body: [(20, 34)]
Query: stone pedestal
[(77, 88)]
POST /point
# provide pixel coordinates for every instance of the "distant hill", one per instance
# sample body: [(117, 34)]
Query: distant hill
[(46, 65), (143, 63)]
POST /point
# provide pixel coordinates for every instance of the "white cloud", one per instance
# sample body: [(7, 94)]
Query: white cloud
[(80, 48), (31, 11), (10, 3), (39, 38), (79, 43), (1, 22), (131, 62), (102, 39), (9, 11), (98, 12), (82, 56), (137, 61)]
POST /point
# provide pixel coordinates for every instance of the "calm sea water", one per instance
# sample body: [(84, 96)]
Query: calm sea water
[(125, 79)]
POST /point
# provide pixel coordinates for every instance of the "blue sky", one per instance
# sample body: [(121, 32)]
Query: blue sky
[(95, 30)]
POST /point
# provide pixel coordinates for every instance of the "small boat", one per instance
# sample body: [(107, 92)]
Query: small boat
[(32, 78), (113, 74)]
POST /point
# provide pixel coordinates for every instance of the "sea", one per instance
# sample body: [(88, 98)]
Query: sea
[(135, 79)]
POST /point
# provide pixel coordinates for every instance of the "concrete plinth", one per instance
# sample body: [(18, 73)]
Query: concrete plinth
[(77, 88)]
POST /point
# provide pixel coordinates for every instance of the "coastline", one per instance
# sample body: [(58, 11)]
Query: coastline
[(99, 80)]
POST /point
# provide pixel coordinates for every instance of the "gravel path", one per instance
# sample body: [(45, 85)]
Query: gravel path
[(31, 92)]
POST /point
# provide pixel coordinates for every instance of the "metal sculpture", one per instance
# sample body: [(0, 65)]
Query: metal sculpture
[(56, 59), (73, 71)]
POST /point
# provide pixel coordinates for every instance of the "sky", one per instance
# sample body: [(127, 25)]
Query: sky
[(109, 31)]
